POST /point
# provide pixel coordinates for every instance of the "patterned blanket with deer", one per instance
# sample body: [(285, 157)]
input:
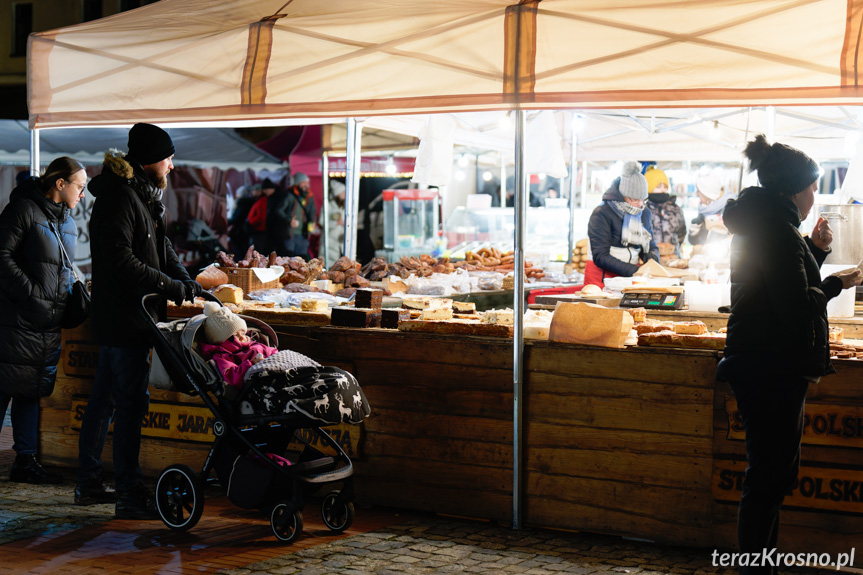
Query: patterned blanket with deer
[(324, 394)]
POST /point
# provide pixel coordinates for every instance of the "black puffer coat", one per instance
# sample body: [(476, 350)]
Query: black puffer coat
[(34, 284), (604, 229), (778, 322), (131, 255)]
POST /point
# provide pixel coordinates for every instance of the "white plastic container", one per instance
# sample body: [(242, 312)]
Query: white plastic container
[(706, 297), (843, 304)]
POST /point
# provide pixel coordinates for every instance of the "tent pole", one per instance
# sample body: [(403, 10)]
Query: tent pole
[(34, 152), (518, 315), (573, 176), (502, 193), (352, 184), (325, 209)]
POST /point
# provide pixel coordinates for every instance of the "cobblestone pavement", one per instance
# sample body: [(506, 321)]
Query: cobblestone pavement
[(413, 544), (432, 545)]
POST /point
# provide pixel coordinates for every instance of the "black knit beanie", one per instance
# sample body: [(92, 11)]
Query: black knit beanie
[(781, 169), (149, 144)]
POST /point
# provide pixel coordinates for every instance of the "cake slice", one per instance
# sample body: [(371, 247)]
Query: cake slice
[(464, 307), (436, 313), (229, 293), (498, 316), (314, 304)]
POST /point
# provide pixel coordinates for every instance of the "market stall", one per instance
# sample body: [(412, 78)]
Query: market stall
[(637, 441), (272, 61)]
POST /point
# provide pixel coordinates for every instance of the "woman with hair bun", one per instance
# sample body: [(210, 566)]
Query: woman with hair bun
[(777, 342), (34, 285)]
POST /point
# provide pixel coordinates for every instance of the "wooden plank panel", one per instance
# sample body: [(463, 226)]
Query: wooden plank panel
[(384, 344), (419, 474), (674, 366), (471, 452), (668, 505), (540, 435), (668, 409), (441, 425), (648, 469), (389, 491), (447, 399)]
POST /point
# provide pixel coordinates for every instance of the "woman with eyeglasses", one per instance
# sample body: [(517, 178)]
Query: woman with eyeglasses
[(34, 284)]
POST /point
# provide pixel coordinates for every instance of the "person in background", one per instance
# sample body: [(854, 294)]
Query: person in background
[(256, 221), (707, 226), (132, 257), (291, 217), (552, 193), (667, 219), (34, 284), (336, 228), (619, 231), (238, 231), (777, 342)]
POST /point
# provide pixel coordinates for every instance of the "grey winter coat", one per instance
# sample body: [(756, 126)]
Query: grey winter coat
[(34, 284)]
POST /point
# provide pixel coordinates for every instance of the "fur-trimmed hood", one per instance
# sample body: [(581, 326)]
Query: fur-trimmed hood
[(115, 167)]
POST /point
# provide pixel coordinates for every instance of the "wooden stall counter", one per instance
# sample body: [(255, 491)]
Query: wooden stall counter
[(638, 442)]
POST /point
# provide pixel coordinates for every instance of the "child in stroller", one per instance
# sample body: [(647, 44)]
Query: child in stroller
[(255, 453)]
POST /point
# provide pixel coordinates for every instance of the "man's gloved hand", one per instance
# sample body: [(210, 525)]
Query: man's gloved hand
[(193, 289), (177, 292)]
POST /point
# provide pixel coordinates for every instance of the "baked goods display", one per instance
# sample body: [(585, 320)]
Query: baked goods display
[(690, 327), (493, 260), (836, 334), (639, 314), (579, 257), (667, 338)]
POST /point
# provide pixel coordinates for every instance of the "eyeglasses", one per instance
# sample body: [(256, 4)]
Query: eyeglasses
[(81, 187)]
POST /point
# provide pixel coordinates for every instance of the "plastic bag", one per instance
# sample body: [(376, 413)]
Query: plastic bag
[(275, 295)]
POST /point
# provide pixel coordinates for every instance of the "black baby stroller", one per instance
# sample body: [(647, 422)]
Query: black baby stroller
[(255, 453)]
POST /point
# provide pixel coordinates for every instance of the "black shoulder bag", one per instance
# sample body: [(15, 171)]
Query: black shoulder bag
[(78, 301)]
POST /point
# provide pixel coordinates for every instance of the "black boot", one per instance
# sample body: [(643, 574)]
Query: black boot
[(93, 492), (27, 469), (136, 503)]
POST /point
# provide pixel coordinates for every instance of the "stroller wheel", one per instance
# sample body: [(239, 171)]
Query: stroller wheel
[(179, 497), (286, 522), (337, 517)]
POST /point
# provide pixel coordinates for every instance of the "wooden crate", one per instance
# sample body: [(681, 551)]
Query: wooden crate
[(245, 279)]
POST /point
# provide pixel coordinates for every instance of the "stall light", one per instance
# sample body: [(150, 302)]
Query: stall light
[(505, 122), (459, 175), (578, 123), (541, 176), (463, 161), (391, 166), (487, 176), (715, 130)]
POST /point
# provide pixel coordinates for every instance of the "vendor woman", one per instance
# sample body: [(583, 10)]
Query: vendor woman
[(620, 230)]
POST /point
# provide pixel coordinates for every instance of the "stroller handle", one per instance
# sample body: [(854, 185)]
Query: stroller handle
[(154, 296)]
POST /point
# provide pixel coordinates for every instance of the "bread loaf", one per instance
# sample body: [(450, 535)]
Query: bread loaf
[(212, 277), (690, 327), (314, 304)]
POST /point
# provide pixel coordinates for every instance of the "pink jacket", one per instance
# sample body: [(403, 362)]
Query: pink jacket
[(234, 359)]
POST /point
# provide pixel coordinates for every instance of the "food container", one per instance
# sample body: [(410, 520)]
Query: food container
[(843, 304), (706, 297), (247, 280)]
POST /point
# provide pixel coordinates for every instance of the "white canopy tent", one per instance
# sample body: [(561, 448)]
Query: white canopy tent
[(265, 60)]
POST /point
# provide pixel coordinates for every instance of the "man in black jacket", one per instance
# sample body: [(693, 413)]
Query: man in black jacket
[(291, 216), (131, 258)]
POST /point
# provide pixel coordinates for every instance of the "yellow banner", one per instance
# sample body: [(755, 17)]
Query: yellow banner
[(192, 423), (837, 425), (817, 487), (165, 421), (79, 358)]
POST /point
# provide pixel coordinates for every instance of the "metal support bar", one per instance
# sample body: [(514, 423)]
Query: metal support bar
[(352, 186), (521, 202)]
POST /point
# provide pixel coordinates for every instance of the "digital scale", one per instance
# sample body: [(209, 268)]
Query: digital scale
[(652, 297)]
